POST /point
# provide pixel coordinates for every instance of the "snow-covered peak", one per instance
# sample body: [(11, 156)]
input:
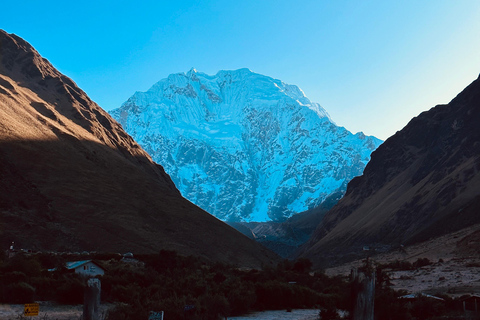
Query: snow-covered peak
[(244, 146), (241, 84)]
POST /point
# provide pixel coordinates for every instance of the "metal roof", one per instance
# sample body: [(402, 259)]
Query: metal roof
[(417, 295), (76, 264), (474, 295)]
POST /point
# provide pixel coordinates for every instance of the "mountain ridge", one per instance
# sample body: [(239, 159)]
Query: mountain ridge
[(244, 146), (421, 183)]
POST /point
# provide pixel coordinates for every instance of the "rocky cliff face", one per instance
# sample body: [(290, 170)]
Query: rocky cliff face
[(71, 179), (243, 146), (421, 183)]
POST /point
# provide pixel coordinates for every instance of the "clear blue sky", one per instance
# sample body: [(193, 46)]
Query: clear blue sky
[(373, 65)]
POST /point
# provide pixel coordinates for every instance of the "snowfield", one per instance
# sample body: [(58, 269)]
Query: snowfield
[(244, 146)]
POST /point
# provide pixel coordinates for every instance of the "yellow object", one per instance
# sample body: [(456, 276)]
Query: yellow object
[(31, 309)]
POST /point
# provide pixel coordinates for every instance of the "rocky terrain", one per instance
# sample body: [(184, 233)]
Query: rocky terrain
[(453, 268), (71, 179), (244, 146), (421, 183)]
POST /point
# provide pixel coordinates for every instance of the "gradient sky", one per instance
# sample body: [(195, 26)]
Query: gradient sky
[(373, 65)]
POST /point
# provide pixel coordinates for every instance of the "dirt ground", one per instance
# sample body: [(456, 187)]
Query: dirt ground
[(300, 314), (47, 311), (455, 267), (50, 311)]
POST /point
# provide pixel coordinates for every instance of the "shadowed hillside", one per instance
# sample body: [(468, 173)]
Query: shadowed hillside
[(72, 179), (421, 183)]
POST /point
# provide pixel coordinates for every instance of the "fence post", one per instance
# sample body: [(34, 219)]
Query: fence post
[(363, 293), (91, 299)]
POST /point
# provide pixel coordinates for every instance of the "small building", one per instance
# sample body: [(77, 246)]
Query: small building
[(471, 304), (88, 268), (414, 296)]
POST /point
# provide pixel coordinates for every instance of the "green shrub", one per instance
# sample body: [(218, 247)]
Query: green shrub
[(328, 313), (19, 293), (398, 265), (168, 282), (426, 308), (44, 287), (421, 262), (241, 296), (213, 306), (25, 264), (302, 265), (14, 277), (70, 291), (127, 312)]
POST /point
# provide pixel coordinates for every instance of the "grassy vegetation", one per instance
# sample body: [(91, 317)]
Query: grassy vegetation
[(191, 288), (169, 282)]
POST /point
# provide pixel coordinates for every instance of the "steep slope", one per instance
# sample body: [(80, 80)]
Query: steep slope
[(422, 182), (243, 146), (72, 179)]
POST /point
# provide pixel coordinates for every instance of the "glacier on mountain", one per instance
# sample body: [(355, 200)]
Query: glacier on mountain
[(244, 146)]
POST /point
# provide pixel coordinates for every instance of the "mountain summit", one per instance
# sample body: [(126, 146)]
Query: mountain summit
[(244, 146)]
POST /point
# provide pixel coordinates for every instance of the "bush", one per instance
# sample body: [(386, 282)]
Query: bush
[(274, 295), (44, 287), (329, 313), (127, 293), (168, 282), (421, 262), (398, 265), (71, 291), (240, 295), (426, 308), (213, 307), (126, 312), (22, 263), (19, 293), (14, 277), (302, 265)]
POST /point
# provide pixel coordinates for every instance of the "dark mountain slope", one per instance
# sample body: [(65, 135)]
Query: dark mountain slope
[(72, 179), (421, 183)]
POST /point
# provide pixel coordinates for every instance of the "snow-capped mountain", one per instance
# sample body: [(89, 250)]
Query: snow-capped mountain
[(244, 146)]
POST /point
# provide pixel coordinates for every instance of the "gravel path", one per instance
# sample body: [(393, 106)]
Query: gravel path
[(47, 311), (301, 314)]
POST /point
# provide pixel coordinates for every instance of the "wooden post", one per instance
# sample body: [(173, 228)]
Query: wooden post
[(363, 294), (91, 299)]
